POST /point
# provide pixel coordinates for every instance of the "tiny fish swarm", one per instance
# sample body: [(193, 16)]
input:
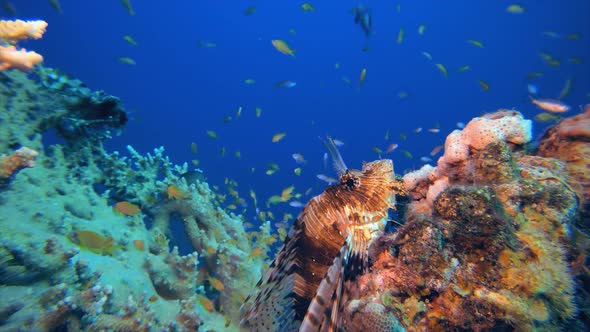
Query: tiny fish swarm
[(345, 217)]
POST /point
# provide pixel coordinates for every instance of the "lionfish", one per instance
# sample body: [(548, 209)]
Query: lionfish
[(305, 287)]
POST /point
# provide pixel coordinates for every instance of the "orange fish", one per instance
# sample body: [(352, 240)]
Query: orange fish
[(127, 209), (553, 106), (391, 148), (139, 244), (175, 193), (153, 298), (216, 283), (206, 303), (93, 241)]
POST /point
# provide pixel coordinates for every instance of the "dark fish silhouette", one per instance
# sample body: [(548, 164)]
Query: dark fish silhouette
[(362, 16)]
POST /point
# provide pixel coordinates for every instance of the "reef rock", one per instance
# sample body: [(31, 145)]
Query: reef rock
[(486, 241)]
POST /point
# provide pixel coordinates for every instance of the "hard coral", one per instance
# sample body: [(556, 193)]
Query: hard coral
[(19, 159), (13, 31)]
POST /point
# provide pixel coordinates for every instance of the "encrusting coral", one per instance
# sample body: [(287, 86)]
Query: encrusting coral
[(12, 32), (569, 140), (485, 243)]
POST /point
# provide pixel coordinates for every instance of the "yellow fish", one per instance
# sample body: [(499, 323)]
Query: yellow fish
[(421, 29), (362, 77), (463, 68), (307, 7), (130, 40), (126, 60), (258, 111), (282, 46), (278, 136), (515, 9), (475, 43), (400, 36), (212, 134), (442, 69)]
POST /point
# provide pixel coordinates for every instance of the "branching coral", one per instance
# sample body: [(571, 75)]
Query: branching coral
[(13, 31)]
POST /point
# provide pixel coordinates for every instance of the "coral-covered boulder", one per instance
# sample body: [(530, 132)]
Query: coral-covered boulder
[(569, 141)]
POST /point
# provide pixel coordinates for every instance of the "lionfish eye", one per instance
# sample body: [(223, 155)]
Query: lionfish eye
[(349, 180), (350, 183)]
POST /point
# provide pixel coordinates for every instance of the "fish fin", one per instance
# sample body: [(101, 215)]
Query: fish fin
[(323, 312), (272, 307), (339, 164)]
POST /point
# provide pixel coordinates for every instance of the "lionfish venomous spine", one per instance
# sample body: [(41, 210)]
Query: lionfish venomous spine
[(303, 288)]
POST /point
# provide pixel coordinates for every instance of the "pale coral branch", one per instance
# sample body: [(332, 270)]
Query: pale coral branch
[(10, 33)]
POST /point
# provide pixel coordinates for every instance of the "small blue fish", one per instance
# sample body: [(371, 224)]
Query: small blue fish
[(286, 84)]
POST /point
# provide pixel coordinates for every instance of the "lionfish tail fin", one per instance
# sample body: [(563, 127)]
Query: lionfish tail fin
[(339, 164)]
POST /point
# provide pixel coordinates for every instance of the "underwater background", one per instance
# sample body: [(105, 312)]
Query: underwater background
[(203, 80), (179, 88)]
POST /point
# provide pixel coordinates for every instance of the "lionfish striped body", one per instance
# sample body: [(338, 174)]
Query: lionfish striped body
[(303, 287)]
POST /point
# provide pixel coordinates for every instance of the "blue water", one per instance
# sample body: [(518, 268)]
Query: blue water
[(178, 90)]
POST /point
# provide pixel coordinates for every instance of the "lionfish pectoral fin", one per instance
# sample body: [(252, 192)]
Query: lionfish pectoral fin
[(271, 308), (322, 313)]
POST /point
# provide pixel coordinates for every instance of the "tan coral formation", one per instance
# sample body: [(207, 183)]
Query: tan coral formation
[(486, 241), (12, 32), (19, 159)]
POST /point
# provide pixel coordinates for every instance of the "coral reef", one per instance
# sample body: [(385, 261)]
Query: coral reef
[(72, 261), (493, 237), (486, 242), (12, 32)]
